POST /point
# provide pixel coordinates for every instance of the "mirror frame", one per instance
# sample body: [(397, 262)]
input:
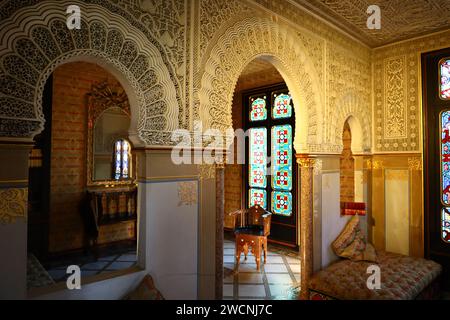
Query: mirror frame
[(102, 97)]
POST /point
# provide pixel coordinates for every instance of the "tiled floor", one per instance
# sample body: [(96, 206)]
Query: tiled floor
[(279, 278), (103, 264)]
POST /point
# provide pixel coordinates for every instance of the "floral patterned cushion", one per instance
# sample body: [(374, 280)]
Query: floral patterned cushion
[(402, 278), (351, 243)]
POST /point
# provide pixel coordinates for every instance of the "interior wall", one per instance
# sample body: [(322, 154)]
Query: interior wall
[(398, 135), (71, 83), (178, 245), (396, 222)]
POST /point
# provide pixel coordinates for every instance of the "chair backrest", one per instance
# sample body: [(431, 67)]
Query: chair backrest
[(256, 215)]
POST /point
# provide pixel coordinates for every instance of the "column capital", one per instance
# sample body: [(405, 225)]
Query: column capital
[(306, 161)]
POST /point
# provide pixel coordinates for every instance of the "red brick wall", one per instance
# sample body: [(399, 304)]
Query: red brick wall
[(71, 83), (347, 167)]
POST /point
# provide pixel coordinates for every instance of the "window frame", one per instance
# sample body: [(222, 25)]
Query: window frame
[(269, 123)]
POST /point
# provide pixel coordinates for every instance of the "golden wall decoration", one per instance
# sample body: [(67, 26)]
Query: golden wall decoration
[(206, 171), (397, 108), (187, 193), (415, 164), (13, 204), (395, 95), (306, 162)]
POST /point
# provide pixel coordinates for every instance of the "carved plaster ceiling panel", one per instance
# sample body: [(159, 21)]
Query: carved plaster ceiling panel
[(400, 19)]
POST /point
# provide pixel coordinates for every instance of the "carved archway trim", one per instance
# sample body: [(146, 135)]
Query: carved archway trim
[(35, 41), (352, 108), (240, 44)]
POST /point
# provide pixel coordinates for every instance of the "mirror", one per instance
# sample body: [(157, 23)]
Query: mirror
[(111, 147), (109, 155)]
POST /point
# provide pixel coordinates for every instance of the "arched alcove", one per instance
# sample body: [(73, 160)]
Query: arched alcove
[(260, 38), (36, 41)]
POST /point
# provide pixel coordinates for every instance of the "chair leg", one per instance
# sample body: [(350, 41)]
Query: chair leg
[(245, 252), (265, 249), (257, 253), (237, 256)]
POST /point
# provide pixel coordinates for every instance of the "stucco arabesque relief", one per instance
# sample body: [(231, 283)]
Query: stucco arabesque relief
[(117, 36), (334, 67)]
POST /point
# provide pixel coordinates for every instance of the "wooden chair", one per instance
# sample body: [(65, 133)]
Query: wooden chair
[(252, 226)]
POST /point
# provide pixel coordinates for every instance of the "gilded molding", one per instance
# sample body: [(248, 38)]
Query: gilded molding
[(206, 171), (415, 164), (13, 205), (374, 164)]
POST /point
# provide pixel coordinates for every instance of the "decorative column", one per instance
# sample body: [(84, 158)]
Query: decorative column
[(306, 169), (14, 163), (220, 207)]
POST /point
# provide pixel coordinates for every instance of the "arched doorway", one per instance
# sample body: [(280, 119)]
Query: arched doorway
[(262, 105), (77, 215), (35, 42), (222, 65)]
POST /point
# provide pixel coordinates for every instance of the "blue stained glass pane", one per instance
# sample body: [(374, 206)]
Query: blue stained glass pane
[(258, 157), (257, 197), (282, 203), (258, 110), (282, 157), (444, 73), (282, 107)]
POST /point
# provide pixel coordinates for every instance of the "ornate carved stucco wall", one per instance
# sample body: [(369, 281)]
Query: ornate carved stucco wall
[(327, 72), (397, 93), (161, 50), (140, 47), (397, 105)]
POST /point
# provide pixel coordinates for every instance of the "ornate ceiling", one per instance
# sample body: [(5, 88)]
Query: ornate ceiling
[(400, 19)]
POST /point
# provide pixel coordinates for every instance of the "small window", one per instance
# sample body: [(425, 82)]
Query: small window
[(444, 78), (122, 159), (258, 110)]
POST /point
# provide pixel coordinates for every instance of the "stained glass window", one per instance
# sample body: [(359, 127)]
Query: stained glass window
[(282, 169), (282, 154), (258, 110), (445, 173), (270, 182), (122, 157), (282, 203), (445, 156), (259, 197), (282, 106), (258, 154), (444, 74)]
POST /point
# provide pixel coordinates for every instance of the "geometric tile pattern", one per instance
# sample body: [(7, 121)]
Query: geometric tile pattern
[(104, 264), (278, 279)]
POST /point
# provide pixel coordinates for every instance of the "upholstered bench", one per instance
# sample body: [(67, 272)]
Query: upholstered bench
[(402, 278)]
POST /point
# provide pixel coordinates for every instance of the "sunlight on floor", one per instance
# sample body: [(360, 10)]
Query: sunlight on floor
[(279, 278)]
